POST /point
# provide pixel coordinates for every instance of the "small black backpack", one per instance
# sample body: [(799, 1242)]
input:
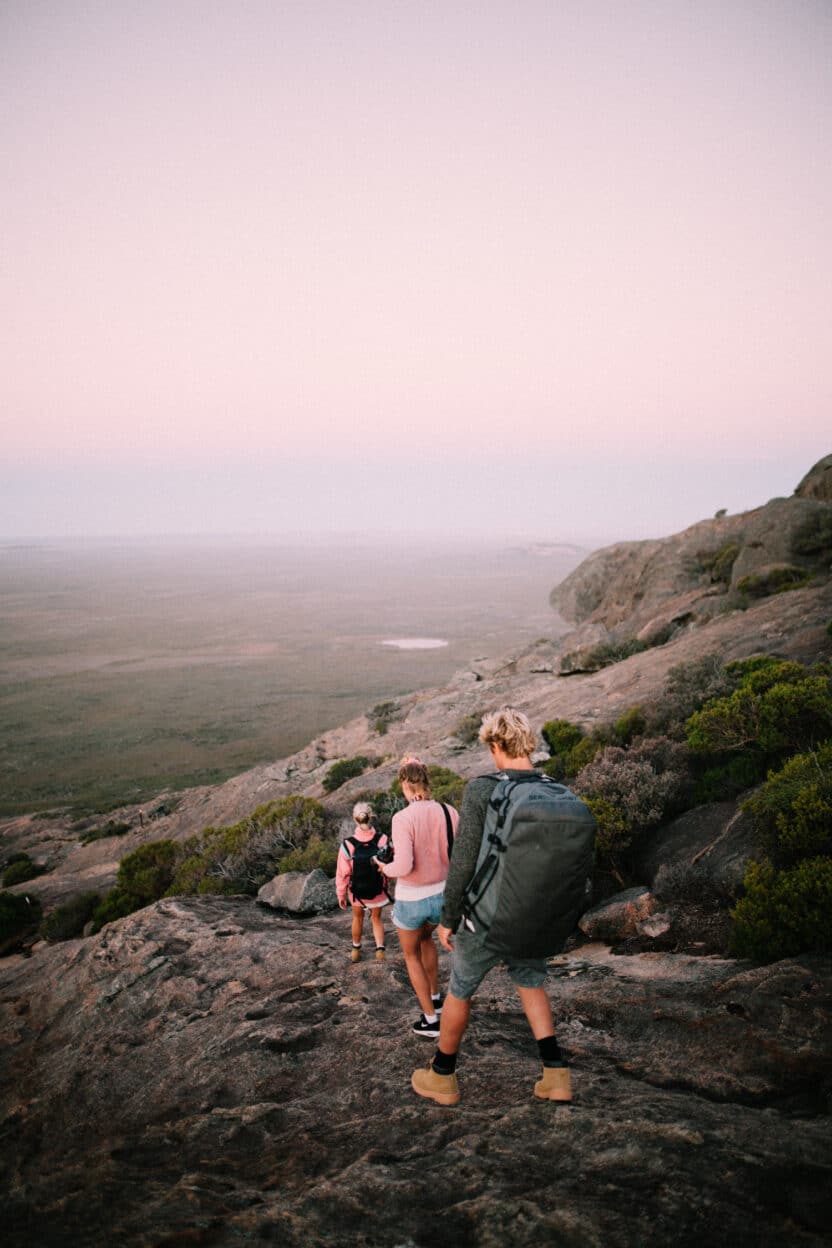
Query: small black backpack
[(367, 881)]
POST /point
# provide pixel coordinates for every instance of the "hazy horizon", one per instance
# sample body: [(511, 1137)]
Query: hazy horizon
[(543, 270)]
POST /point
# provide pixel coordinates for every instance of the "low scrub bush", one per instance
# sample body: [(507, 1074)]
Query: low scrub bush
[(603, 655), (19, 918), (784, 913), (68, 921), (774, 581), (613, 835), (382, 715), (630, 725), (793, 810), (646, 782), (687, 688), (243, 856), (778, 708), (561, 735), (21, 870), (346, 769), (143, 877), (111, 828), (467, 730), (689, 883), (318, 853), (813, 539)]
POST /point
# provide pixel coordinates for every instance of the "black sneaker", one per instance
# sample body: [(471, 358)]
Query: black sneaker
[(424, 1028), (438, 1002)]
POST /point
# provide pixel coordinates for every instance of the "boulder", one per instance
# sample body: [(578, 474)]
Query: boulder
[(622, 916), (716, 842), (818, 481), (297, 892)]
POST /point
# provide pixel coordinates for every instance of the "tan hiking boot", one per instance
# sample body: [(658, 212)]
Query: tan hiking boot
[(356, 954), (443, 1089), (556, 1084), (379, 955)]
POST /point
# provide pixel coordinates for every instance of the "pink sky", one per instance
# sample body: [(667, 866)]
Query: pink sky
[(260, 258)]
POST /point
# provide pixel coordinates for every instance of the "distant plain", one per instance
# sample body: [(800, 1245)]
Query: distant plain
[(130, 668)]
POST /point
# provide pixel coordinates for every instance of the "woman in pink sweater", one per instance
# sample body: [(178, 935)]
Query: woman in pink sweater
[(421, 835), (358, 880)]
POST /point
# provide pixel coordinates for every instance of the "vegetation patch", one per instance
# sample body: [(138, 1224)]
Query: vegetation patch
[(68, 922), (346, 769), (19, 918), (603, 655), (19, 869), (774, 581), (112, 827), (784, 913)]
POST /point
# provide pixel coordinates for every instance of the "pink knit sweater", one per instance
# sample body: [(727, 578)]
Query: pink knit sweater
[(420, 842)]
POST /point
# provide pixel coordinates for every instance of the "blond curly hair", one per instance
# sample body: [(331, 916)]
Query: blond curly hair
[(510, 730)]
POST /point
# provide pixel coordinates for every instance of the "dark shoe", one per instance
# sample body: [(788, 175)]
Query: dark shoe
[(424, 1028), (443, 1089)]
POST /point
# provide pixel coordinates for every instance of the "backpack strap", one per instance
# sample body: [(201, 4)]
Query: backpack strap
[(449, 827)]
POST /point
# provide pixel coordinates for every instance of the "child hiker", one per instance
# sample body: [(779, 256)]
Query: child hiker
[(358, 880)]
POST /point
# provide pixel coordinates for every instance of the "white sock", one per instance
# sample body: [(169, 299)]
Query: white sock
[(431, 1018)]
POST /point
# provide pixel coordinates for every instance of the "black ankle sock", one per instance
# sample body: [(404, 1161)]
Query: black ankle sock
[(444, 1063), (550, 1054)]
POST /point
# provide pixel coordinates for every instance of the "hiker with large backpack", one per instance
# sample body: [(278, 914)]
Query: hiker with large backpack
[(358, 880), (519, 878), (422, 837)]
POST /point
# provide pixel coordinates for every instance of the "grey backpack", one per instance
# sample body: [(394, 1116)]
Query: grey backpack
[(533, 876)]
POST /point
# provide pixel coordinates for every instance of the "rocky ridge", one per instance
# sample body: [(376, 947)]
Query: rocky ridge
[(208, 1071)]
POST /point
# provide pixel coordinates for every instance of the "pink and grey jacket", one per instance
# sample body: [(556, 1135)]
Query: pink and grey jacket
[(420, 844)]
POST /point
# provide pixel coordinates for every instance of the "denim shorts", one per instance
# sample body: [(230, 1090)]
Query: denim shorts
[(472, 960), (410, 915)]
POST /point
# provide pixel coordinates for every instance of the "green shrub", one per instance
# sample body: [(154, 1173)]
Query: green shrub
[(467, 730), (110, 828), (143, 877), (603, 655), (582, 754), (813, 539), (243, 856), (68, 921), (687, 688), (720, 563), (726, 780), (383, 714), (784, 913), (775, 581), (345, 769), (632, 723), (613, 835), (793, 810), (778, 707), (318, 853), (19, 917), (561, 735), (21, 870)]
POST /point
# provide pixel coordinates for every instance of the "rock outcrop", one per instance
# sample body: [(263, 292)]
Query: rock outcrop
[(206, 1072)]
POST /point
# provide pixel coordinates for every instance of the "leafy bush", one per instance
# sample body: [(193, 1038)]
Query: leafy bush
[(775, 581), (778, 707), (813, 539), (68, 921), (631, 724), (784, 913), (690, 883), (19, 916), (143, 877), (467, 730), (21, 870), (383, 714), (645, 783), (729, 778), (603, 655), (110, 828), (687, 688), (720, 563), (243, 856), (345, 769), (613, 835), (318, 853), (793, 810), (561, 735)]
